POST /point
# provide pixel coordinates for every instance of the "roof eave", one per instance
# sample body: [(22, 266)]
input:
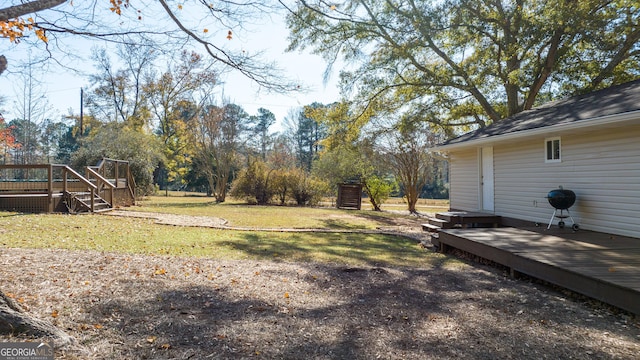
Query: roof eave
[(581, 124)]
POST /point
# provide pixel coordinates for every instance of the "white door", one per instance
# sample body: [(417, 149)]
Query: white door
[(486, 178)]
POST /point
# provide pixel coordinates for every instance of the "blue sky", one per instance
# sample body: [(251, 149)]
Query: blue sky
[(62, 88)]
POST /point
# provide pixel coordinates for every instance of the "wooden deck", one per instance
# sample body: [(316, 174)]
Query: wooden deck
[(59, 188), (602, 266)]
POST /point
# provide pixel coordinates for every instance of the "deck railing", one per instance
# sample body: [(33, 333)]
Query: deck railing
[(39, 187), (92, 189), (118, 173), (45, 187)]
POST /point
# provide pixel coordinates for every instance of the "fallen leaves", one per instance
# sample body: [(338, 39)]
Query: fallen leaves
[(294, 306)]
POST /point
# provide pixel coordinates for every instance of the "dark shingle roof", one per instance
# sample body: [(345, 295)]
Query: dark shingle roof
[(610, 101)]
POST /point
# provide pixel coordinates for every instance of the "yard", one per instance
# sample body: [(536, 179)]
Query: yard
[(129, 288)]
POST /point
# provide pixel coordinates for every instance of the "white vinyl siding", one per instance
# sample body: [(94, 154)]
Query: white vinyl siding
[(601, 167), (463, 180)]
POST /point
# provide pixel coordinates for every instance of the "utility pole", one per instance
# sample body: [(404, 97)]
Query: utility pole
[(81, 112)]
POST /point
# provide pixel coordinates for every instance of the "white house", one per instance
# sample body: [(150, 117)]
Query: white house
[(589, 144)]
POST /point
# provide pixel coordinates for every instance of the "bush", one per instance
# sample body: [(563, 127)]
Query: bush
[(258, 184), (254, 184), (282, 182), (379, 190), (306, 190)]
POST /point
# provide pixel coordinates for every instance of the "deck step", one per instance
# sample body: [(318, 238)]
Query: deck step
[(468, 219), (80, 202), (435, 239), (430, 228), (446, 216), (443, 224)]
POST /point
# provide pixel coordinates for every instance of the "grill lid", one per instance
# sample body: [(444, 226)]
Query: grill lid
[(561, 199)]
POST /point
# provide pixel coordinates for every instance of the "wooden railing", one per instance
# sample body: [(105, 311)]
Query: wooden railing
[(118, 173), (103, 186), (93, 189), (48, 187), (40, 186)]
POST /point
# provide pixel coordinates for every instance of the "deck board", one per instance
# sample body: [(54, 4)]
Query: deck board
[(603, 266)]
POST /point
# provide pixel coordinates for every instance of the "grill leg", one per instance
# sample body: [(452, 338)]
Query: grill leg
[(571, 217), (552, 217)]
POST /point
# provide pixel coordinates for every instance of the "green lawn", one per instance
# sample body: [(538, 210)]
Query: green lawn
[(143, 236), (239, 214)]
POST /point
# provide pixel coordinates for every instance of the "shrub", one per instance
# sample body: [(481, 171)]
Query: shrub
[(379, 190), (254, 184), (306, 189)]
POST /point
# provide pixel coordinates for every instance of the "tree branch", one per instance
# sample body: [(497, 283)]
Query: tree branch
[(28, 8), (260, 75)]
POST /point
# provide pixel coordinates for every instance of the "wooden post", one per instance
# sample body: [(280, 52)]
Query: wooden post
[(93, 199), (117, 166), (64, 179), (50, 187)]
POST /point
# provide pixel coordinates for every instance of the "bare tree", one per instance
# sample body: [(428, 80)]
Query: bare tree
[(220, 135), (405, 149), (171, 99), (32, 109), (174, 27), (117, 93)]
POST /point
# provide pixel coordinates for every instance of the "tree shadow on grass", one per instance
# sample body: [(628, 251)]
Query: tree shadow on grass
[(387, 220), (368, 249), (339, 224)]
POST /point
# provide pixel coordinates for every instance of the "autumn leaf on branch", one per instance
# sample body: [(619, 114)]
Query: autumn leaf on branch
[(117, 5)]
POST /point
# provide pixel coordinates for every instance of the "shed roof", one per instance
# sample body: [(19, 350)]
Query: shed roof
[(602, 106)]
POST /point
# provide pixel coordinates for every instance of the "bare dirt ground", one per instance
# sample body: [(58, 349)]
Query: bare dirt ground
[(153, 307)]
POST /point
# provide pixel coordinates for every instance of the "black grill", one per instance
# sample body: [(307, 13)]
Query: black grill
[(562, 199)]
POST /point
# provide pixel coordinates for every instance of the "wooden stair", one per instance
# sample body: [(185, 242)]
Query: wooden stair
[(458, 219), (80, 202)]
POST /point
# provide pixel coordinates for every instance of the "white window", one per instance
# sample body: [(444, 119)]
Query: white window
[(552, 146)]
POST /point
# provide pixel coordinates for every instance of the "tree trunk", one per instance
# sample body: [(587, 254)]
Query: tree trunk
[(412, 200), (372, 200), (13, 320)]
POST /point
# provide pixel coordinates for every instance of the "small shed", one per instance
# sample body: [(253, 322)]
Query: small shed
[(349, 196)]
